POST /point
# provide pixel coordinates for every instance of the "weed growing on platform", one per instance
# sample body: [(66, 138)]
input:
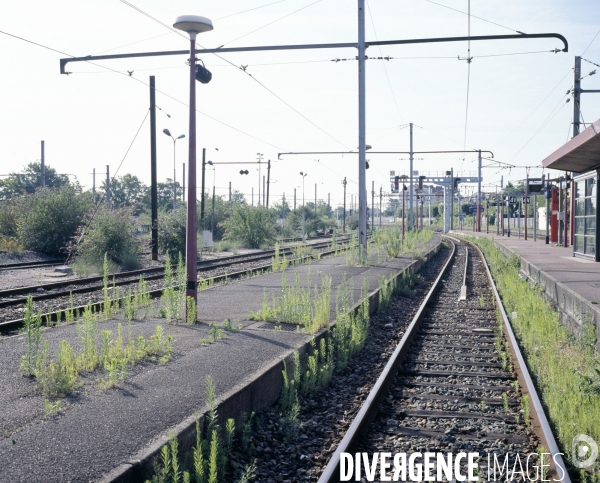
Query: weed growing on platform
[(228, 326), (295, 304), (563, 366), (171, 309), (35, 351), (58, 378), (107, 303), (278, 264), (351, 328), (52, 408), (192, 310), (387, 288)]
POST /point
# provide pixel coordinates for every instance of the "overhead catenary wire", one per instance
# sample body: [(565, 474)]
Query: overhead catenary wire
[(250, 10), (99, 202), (157, 90), (241, 69), (474, 16), (383, 63), (271, 23)]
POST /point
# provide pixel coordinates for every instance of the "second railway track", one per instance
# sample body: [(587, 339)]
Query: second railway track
[(53, 298)]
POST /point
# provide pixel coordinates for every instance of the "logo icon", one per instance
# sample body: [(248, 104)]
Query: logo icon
[(585, 451)]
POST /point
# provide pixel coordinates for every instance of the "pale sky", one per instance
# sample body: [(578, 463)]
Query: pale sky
[(88, 119)]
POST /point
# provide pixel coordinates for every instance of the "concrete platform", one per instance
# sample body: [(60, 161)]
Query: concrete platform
[(571, 284), (112, 435)]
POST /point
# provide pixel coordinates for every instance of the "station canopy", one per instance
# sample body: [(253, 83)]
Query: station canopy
[(580, 154)]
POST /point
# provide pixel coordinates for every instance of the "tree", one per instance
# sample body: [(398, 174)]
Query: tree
[(50, 218), (26, 182), (126, 191), (252, 226)]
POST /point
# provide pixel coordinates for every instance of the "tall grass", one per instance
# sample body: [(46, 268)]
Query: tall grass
[(564, 367)]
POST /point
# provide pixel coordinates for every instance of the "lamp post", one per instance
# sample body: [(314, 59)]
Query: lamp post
[(303, 214), (168, 133), (193, 25)]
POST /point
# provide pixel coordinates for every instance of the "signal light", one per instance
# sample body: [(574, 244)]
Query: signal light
[(396, 182), (203, 75)]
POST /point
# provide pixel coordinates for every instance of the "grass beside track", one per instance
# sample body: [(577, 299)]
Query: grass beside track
[(564, 368)]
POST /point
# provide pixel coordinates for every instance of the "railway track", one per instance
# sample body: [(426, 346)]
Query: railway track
[(91, 288), (29, 265), (456, 383)]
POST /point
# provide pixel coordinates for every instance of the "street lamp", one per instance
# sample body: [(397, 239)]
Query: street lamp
[(193, 25), (168, 133), (303, 214)]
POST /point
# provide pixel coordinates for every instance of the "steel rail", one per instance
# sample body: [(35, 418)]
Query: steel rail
[(525, 377), (202, 264), (58, 315), (38, 264), (368, 410)]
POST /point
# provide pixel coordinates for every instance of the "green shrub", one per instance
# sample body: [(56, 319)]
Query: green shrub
[(50, 218), (10, 212), (171, 231), (110, 232), (251, 226)]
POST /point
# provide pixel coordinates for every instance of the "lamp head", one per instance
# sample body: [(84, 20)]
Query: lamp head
[(181, 137), (193, 24), (167, 132), (211, 163)]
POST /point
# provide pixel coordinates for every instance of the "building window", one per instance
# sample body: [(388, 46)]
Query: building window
[(585, 215)]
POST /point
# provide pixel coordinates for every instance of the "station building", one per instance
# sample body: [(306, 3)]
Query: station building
[(581, 156)]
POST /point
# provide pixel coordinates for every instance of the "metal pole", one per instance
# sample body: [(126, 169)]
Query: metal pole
[(560, 209), (534, 217), (429, 223), (526, 190), (230, 191), (294, 199), (362, 188), (202, 190), (153, 175), (107, 184), (315, 198), (253, 196), (452, 198), (487, 216), (403, 190), (303, 212), (174, 172), (410, 186), (212, 213), (520, 205), (268, 180), (566, 212), (94, 184), (372, 206), (183, 181), (548, 200), (344, 219), (508, 215), (479, 191), (263, 192), (576, 95), (43, 167), (380, 202), (191, 257)]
